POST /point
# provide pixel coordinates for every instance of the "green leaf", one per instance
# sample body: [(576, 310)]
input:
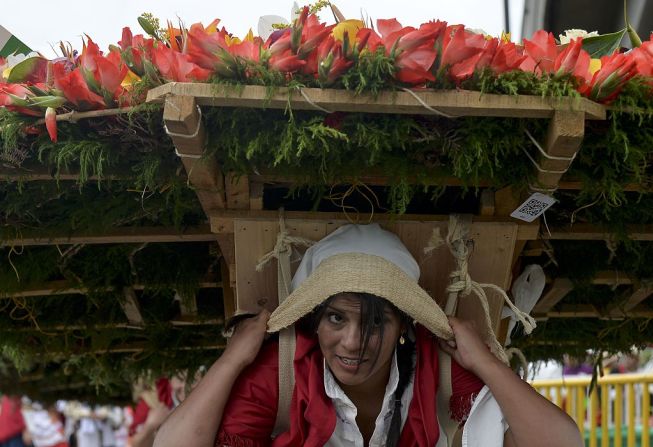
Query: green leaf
[(29, 70), (603, 45)]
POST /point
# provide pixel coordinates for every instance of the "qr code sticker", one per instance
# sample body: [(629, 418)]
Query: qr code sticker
[(533, 207)]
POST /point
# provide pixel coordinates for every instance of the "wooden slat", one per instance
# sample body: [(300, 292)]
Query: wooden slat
[(611, 278), (558, 290), (563, 139), (589, 232), (222, 221), (125, 235), (451, 102), (571, 311), (183, 119), (256, 195), (177, 322), (130, 306)]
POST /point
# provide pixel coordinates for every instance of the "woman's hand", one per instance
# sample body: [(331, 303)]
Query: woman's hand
[(245, 343), (467, 348)]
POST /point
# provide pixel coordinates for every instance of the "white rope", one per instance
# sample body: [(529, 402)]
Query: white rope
[(539, 168), (542, 190), (310, 101), (426, 106), (463, 285), (516, 352), (180, 155), (544, 154), (284, 244)]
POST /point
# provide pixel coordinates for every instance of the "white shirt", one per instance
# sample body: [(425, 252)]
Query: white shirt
[(347, 433), (485, 424)]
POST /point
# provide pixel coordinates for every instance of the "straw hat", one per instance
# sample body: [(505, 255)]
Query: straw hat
[(360, 258)]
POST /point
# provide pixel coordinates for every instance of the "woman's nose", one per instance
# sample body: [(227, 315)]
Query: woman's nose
[(351, 337)]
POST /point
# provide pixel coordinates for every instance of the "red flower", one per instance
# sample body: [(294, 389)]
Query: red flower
[(75, 88), (12, 96), (506, 58), (607, 82), (135, 49), (177, 67), (51, 123), (286, 62), (573, 59), (459, 45), (541, 52)]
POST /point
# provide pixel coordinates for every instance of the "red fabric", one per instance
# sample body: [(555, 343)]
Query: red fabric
[(251, 411), (164, 393), (11, 418)]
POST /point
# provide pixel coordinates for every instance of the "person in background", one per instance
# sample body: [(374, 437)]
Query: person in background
[(12, 425), (153, 408), (46, 427)]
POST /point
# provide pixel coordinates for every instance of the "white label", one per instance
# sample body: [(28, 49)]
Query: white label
[(533, 207)]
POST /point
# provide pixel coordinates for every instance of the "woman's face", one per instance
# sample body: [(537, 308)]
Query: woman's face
[(339, 335)]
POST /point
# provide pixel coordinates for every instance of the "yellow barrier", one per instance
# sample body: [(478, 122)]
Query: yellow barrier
[(604, 412)]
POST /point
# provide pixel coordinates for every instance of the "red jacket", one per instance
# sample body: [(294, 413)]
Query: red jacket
[(12, 423), (251, 411)]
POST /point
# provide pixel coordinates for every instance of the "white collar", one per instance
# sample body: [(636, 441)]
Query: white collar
[(336, 393)]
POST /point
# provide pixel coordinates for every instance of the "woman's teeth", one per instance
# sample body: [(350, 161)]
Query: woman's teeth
[(351, 362)]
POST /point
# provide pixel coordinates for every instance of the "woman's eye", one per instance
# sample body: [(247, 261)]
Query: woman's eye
[(334, 318)]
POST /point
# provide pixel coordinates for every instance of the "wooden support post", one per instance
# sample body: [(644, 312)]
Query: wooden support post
[(228, 294), (237, 191), (131, 308), (564, 136), (558, 290), (182, 118)]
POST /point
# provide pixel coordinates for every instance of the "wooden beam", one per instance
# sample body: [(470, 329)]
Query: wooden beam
[(589, 232), (558, 290), (183, 121), (563, 139), (130, 306), (63, 287), (176, 322), (639, 294), (611, 278), (256, 195), (570, 311), (450, 102), (222, 221), (124, 235)]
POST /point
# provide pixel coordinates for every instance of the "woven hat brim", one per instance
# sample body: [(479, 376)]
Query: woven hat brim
[(362, 273)]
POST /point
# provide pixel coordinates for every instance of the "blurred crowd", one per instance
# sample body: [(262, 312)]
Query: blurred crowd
[(24, 423)]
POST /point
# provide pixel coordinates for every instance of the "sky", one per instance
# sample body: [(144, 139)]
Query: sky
[(41, 24)]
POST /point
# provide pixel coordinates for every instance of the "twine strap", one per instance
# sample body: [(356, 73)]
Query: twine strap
[(282, 251), (516, 352), (426, 106), (463, 285), (312, 103)]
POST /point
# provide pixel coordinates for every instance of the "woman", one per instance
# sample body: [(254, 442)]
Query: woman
[(366, 365)]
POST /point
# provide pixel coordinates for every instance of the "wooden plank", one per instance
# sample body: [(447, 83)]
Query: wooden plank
[(124, 235), (63, 287), (563, 139), (490, 263), (182, 118), (237, 191), (450, 102), (611, 278), (228, 293), (558, 290), (130, 306), (639, 294), (571, 311), (589, 232), (222, 221), (486, 205)]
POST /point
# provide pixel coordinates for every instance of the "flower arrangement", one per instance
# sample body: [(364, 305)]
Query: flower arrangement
[(434, 55)]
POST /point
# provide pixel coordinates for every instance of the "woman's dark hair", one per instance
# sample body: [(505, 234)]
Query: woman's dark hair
[(372, 312)]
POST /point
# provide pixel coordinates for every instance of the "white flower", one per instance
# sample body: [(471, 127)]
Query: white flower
[(266, 23), (575, 34), (13, 60)]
